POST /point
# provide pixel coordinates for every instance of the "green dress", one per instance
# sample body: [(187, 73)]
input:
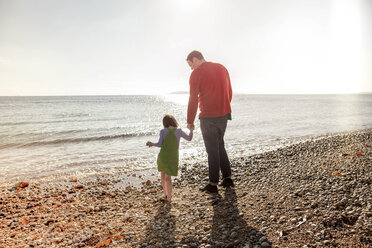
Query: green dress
[(168, 155)]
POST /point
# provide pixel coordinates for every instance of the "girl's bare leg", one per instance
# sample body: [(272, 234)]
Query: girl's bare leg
[(163, 183), (169, 185)]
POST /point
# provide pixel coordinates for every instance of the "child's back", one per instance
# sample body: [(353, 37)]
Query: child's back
[(177, 132)]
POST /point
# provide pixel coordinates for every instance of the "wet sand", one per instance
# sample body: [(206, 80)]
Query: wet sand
[(312, 194)]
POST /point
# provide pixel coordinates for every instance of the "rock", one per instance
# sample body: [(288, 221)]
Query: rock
[(283, 233), (282, 219), (233, 235), (248, 245), (263, 229), (219, 244), (78, 186), (327, 242), (265, 244), (262, 239), (22, 185)]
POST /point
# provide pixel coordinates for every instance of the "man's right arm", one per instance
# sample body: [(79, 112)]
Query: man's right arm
[(229, 84), (193, 100)]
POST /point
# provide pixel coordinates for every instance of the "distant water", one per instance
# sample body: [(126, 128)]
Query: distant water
[(49, 137)]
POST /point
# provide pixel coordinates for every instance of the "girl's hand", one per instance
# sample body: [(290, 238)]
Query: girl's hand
[(191, 127), (149, 143)]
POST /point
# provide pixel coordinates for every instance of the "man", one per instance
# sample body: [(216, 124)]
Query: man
[(210, 87)]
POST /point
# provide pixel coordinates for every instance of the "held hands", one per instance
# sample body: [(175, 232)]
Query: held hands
[(149, 143), (191, 127)]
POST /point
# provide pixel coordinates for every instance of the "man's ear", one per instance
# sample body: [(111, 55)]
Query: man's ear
[(195, 60)]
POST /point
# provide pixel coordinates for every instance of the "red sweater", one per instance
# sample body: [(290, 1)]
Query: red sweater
[(210, 87)]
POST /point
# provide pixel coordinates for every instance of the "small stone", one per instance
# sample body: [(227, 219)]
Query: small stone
[(219, 244), (265, 244), (262, 239), (263, 229), (318, 236), (233, 235), (79, 186), (282, 219), (283, 233)]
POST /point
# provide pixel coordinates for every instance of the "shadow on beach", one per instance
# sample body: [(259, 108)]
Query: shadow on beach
[(160, 231), (229, 229)]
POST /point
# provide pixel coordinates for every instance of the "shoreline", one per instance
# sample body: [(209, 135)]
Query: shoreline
[(309, 194), (135, 178)]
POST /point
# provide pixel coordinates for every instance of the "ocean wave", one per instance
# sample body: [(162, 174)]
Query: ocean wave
[(75, 140), (56, 121)]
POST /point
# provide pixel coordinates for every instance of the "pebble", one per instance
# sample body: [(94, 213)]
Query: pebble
[(265, 244), (233, 235), (262, 239), (327, 242)]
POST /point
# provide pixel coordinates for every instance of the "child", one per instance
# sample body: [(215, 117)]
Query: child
[(169, 141)]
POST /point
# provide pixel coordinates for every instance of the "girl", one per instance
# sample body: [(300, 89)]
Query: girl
[(169, 141)]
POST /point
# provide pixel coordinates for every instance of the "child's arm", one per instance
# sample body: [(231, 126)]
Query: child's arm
[(160, 142), (185, 136)]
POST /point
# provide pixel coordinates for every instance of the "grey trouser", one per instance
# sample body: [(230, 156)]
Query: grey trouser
[(213, 133)]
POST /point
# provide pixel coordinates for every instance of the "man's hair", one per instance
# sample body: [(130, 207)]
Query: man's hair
[(169, 120), (195, 54)]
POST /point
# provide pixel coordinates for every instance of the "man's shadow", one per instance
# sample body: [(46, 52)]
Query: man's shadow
[(229, 229), (160, 230)]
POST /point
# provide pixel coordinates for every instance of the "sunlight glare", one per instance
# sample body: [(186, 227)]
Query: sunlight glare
[(181, 99), (188, 5)]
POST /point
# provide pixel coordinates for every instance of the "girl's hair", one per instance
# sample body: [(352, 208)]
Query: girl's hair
[(169, 120)]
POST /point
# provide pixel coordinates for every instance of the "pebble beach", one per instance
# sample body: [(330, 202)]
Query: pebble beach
[(315, 193)]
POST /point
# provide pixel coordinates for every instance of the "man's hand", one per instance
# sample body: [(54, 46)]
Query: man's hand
[(191, 127), (149, 143)]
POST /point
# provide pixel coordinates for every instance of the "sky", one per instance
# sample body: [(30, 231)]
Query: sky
[(89, 47)]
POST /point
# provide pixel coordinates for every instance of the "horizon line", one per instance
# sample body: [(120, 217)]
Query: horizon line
[(186, 92)]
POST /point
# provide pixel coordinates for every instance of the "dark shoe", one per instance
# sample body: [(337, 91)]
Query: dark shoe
[(228, 182), (209, 189)]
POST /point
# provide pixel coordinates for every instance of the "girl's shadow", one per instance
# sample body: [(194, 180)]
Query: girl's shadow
[(160, 231), (229, 229)]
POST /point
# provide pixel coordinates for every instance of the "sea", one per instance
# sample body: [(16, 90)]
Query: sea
[(51, 138)]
